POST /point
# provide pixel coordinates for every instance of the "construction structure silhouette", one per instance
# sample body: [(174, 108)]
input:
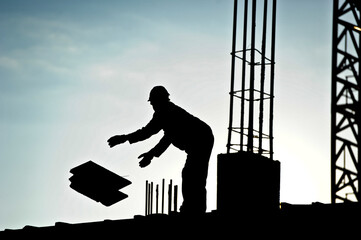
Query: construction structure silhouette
[(255, 91), (345, 102), (248, 187), (246, 146)]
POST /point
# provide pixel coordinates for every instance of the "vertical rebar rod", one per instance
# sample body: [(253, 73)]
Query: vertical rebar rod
[(243, 72), (151, 198), (156, 198), (231, 93), (175, 198), (170, 197), (252, 77), (163, 196), (273, 37), (146, 197), (263, 66)]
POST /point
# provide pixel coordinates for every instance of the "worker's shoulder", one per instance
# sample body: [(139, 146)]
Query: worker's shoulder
[(175, 109)]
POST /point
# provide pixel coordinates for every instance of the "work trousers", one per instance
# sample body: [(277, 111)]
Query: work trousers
[(194, 176)]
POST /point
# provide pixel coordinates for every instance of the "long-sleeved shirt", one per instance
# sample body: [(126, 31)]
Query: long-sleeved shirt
[(181, 129)]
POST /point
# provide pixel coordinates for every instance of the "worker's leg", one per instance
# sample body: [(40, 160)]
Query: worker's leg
[(194, 179)]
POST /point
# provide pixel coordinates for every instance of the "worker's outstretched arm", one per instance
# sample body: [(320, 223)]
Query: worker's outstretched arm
[(154, 152), (117, 139), (146, 159), (136, 136), (150, 129)]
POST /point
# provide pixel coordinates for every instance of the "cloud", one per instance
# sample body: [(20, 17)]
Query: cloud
[(9, 63)]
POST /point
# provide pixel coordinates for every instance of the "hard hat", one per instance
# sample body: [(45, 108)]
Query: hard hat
[(158, 93)]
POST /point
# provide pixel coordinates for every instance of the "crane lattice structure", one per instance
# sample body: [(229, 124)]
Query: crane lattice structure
[(346, 106)]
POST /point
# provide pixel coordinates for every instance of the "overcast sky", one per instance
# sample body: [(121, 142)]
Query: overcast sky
[(74, 73)]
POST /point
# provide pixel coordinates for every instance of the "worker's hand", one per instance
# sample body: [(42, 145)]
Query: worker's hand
[(147, 158), (117, 139)]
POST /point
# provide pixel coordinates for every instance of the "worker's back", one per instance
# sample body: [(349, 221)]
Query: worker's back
[(183, 129)]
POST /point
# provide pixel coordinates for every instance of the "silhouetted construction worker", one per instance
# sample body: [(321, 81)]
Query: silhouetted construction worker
[(185, 132)]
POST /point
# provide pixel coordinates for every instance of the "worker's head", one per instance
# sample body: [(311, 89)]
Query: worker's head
[(158, 97), (158, 94)]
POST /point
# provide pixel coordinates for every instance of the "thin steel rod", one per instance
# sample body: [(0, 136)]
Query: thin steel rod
[(156, 198), (175, 198), (146, 197), (243, 70), (272, 77), (151, 198), (252, 77), (163, 196), (232, 76), (263, 61), (170, 197)]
